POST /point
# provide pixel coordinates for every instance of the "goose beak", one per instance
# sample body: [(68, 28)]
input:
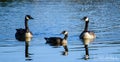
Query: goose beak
[(62, 33), (82, 19), (31, 18)]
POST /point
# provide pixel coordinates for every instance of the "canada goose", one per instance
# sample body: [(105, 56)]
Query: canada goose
[(57, 41), (24, 34), (87, 36)]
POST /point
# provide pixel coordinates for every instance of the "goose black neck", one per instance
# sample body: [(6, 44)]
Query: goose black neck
[(86, 49), (66, 36), (86, 26), (26, 25)]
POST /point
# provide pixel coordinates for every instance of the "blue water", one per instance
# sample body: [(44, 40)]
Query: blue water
[(53, 16)]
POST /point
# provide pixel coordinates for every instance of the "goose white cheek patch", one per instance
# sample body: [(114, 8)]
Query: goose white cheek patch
[(27, 17), (86, 19), (66, 33)]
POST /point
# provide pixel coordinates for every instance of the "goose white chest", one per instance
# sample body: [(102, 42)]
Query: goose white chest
[(28, 34), (87, 36)]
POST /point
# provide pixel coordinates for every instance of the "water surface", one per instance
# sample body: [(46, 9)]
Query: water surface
[(53, 16)]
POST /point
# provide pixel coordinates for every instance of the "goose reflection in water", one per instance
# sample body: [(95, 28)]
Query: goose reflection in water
[(27, 54), (57, 41)]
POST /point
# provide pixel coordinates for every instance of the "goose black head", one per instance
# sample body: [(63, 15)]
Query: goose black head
[(64, 32), (86, 18), (27, 17)]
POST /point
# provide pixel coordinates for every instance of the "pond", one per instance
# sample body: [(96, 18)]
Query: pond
[(51, 17)]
